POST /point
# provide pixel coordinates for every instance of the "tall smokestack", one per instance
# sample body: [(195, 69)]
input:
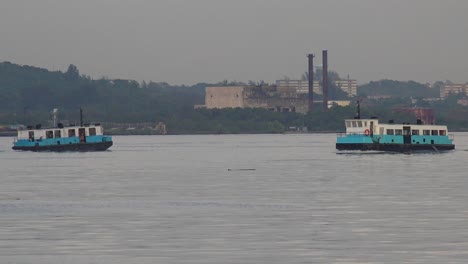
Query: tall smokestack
[(311, 81), (325, 79)]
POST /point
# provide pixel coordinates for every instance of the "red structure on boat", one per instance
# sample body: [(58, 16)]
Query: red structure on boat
[(426, 115)]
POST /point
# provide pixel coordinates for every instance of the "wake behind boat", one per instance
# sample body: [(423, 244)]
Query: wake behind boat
[(85, 137)]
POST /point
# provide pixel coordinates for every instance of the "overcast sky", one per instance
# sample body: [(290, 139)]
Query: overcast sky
[(191, 41)]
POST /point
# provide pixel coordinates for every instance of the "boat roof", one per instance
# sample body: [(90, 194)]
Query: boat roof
[(377, 123), (64, 127)]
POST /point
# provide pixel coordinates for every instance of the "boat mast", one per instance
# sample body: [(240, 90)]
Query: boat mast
[(81, 116), (358, 115), (54, 117)]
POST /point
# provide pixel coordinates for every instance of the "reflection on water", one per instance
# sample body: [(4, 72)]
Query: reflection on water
[(233, 199)]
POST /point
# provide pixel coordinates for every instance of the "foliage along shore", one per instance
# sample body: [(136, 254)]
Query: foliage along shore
[(28, 94)]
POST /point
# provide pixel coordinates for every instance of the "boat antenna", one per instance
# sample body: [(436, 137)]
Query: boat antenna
[(54, 117), (358, 115), (81, 116)]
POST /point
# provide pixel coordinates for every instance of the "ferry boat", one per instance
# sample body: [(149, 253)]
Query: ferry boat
[(369, 134), (85, 137)]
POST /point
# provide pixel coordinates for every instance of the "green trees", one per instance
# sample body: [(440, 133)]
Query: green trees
[(39, 91), (27, 94), (72, 74), (398, 88)]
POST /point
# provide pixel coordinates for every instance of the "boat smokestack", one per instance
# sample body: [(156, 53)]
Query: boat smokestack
[(311, 82), (325, 79)]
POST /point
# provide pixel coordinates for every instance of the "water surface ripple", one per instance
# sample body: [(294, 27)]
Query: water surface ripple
[(233, 199)]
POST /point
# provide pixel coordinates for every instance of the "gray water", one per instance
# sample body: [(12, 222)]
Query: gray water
[(233, 199)]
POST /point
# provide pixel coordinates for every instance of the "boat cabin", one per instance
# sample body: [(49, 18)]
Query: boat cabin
[(85, 137), (39, 133), (373, 127)]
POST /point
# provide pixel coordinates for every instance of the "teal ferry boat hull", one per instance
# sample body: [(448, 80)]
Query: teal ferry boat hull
[(83, 137), (369, 134), (68, 145), (393, 147)]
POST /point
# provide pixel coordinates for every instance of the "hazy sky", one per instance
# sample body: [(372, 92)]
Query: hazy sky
[(191, 41)]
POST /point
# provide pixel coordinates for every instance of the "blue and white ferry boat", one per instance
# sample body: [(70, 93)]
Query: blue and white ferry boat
[(85, 137), (369, 134)]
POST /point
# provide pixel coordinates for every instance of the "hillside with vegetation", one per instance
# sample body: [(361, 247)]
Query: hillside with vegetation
[(28, 94), (394, 88)]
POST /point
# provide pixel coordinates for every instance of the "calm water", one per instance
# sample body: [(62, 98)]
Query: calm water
[(233, 199)]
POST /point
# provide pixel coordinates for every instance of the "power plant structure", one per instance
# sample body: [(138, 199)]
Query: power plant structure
[(286, 96), (311, 82), (324, 80)]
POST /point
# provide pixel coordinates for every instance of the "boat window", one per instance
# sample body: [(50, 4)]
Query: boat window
[(415, 132), (31, 135), (426, 132), (57, 134), (348, 124), (398, 132), (435, 132), (354, 123), (406, 132), (92, 131), (442, 132), (71, 132), (390, 132), (359, 123), (365, 123), (49, 134)]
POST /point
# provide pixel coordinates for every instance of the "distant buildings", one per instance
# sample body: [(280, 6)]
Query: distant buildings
[(273, 98), (292, 96), (378, 97), (278, 98), (452, 89), (463, 102), (225, 97), (348, 86), (302, 86)]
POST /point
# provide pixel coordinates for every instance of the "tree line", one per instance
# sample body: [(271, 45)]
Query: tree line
[(28, 94)]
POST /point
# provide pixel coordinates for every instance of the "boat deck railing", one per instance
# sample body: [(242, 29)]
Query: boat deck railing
[(344, 134)]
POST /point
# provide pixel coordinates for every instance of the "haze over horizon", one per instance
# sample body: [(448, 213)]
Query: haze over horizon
[(188, 42)]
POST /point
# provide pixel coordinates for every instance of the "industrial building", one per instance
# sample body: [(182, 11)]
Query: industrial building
[(274, 98), (245, 96), (285, 96)]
